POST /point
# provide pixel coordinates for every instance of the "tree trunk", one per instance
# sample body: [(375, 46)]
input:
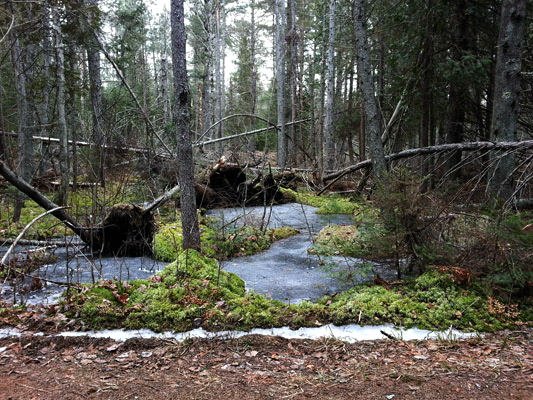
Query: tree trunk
[(458, 89), (64, 167), (330, 91), (292, 38), (165, 97), (191, 232), (218, 75), (95, 82), (279, 7), (364, 71), (465, 146), (507, 92), (25, 147), (253, 74)]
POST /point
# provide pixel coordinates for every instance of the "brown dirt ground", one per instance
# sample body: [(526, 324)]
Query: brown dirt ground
[(497, 366)]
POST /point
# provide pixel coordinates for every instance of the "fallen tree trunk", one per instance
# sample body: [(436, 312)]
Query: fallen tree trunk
[(85, 234), (41, 243), (126, 230), (45, 139), (467, 146)]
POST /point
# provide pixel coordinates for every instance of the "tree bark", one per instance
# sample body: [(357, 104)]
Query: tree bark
[(64, 166), (507, 92), (279, 7), (253, 73), (292, 38), (330, 90), (20, 59), (165, 97), (364, 70), (191, 232), (95, 82)]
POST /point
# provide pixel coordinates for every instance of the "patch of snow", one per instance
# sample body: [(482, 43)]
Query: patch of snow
[(348, 333)]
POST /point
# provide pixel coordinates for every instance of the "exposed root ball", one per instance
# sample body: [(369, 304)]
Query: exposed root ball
[(127, 231)]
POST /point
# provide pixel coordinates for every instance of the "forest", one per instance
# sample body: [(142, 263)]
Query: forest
[(126, 124)]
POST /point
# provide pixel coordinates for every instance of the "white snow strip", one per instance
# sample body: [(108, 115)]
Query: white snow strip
[(347, 333)]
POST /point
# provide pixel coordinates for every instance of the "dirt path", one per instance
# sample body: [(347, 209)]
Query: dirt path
[(498, 366)]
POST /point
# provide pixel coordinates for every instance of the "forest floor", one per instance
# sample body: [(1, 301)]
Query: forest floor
[(495, 366)]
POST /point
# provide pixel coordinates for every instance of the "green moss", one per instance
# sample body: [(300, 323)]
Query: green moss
[(246, 240), (192, 292), (327, 204)]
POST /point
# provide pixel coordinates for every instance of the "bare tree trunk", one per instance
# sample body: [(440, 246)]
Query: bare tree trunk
[(507, 92), (425, 89), (218, 71), (330, 91), (351, 109), (253, 74), (279, 7), (64, 167), (191, 232), (25, 147), (95, 81), (457, 92), (3, 151), (165, 98), (73, 116), (364, 70), (292, 37)]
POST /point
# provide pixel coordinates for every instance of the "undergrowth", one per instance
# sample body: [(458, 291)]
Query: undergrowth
[(246, 240), (193, 292)]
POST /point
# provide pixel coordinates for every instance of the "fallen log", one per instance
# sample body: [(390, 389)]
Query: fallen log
[(41, 243), (50, 140), (84, 233), (125, 231), (467, 146)]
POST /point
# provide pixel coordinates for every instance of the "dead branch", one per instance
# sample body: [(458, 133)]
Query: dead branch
[(42, 243), (162, 199), (2, 261), (196, 144), (50, 140), (467, 146)]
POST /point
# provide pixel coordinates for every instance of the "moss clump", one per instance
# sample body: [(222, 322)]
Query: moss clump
[(335, 239), (327, 204), (168, 241), (431, 301), (193, 292), (246, 240), (188, 293)]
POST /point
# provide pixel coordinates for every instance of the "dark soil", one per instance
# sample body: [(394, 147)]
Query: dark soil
[(497, 366)]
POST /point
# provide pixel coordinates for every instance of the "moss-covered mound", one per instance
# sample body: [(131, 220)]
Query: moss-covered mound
[(193, 292), (327, 204), (190, 292), (246, 240)]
